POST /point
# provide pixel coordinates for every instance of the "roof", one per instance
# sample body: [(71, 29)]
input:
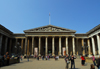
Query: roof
[(5, 29), (94, 29)]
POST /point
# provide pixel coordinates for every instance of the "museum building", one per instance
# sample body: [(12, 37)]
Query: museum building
[(50, 39)]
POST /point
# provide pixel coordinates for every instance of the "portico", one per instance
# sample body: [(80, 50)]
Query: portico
[(50, 40)]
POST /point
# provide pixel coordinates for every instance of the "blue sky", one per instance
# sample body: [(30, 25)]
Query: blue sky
[(79, 15)]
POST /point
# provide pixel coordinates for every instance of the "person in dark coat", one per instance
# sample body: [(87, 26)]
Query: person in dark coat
[(8, 59), (72, 61), (98, 64)]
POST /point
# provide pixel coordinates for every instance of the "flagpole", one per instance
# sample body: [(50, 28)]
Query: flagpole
[(49, 18)]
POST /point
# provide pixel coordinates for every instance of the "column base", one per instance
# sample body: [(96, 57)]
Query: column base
[(60, 55), (32, 54), (53, 54), (89, 55), (24, 54), (39, 54)]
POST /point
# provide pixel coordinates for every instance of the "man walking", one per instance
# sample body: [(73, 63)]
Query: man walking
[(72, 61), (67, 61)]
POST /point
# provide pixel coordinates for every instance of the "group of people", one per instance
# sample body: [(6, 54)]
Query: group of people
[(68, 59), (71, 58), (94, 63), (6, 59)]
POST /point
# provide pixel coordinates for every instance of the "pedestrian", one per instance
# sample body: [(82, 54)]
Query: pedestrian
[(21, 57), (43, 57), (46, 57), (93, 59), (72, 61), (67, 61), (8, 58), (98, 64), (27, 57), (82, 60), (92, 66)]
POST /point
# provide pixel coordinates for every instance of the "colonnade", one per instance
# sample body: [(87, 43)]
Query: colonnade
[(46, 45)]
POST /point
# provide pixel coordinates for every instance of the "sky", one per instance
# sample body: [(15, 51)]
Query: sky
[(20, 15)]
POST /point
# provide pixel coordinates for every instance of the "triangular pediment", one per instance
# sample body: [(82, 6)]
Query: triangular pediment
[(49, 28)]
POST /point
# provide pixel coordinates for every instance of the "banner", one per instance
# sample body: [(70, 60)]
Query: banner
[(36, 51)]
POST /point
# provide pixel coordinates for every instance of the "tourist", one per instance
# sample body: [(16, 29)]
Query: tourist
[(43, 57), (83, 60), (72, 61), (92, 66), (8, 58), (93, 59), (46, 57), (98, 64), (21, 57), (28, 58), (67, 61)]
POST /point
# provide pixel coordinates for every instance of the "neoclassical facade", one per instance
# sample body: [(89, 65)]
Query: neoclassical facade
[(50, 39)]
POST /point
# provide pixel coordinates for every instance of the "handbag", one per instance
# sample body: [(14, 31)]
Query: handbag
[(68, 61)]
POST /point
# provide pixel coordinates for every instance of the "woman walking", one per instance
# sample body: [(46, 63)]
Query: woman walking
[(83, 60)]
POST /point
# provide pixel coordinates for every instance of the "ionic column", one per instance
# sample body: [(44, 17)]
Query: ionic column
[(93, 45), (39, 46), (32, 45), (67, 45), (77, 45), (6, 41), (59, 46), (53, 48), (22, 46), (1, 37), (10, 45), (89, 50), (25, 46), (73, 43), (98, 43), (83, 47), (46, 47), (28, 48)]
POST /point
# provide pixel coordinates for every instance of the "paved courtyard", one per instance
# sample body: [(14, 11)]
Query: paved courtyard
[(51, 64)]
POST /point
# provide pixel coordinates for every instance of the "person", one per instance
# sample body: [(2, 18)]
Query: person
[(28, 58), (98, 64), (43, 57), (83, 60), (46, 57), (72, 61), (92, 66), (8, 58), (93, 59), (21, 57), (3, 60), (67, 61)]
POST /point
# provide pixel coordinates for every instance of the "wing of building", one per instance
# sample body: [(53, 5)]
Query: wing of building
[(50, 40)]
